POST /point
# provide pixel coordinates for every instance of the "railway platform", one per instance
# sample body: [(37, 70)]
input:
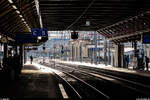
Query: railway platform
[(33, 83), (142, 73)]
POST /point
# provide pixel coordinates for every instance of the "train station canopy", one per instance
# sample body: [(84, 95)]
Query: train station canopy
[(18, 17), (111, 18), (117, 20)]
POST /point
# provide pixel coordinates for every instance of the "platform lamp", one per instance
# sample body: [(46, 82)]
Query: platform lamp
[(87, 23)]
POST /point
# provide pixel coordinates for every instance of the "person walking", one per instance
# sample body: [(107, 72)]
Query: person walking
[(31, 59), (146, 61)]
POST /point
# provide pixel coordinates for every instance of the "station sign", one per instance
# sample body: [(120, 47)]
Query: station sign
[(146, 38), (39, 32), (26, 38)]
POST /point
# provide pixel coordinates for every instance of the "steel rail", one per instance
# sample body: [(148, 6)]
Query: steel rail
[(75, 91), (81, 81), (78, 79), (96, 74)]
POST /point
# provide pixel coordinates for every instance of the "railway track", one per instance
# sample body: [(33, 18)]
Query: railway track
[(124, 84), (138, 88), (80, 89), (132, 77), (114, 87)]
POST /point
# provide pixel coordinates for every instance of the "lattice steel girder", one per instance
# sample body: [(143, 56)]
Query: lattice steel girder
[(106, 34), (101, 33), (134, 24)]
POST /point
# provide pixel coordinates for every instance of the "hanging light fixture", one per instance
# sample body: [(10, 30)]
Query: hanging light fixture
[(18, 12), (87, 23), (14, 7), (10, 1)]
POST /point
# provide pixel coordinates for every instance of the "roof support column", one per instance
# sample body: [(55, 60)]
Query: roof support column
[(81, 53), (73, 50), (25, 56), (109, 53), (135, 55), (95, 50), (75, 53), (105, 51), (21, 51), (135, 49), (5, 50), (119, 53)]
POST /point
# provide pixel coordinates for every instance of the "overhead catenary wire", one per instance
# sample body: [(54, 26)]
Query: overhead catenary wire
[(81, 15)]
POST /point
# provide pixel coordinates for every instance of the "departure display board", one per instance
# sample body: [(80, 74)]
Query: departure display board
[(146, 38), (74, 35)]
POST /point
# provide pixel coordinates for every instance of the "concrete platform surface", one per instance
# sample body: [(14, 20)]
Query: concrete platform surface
[(33, 83)]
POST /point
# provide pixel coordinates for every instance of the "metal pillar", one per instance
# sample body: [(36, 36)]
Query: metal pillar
[(109, 55), (99, 57), (25, 56), (5, 50), (119, 51), (95, 50), (80, 54), (135, 49), (54, 53), (142, 52), (120, 55), (72, 53), (135, 59), (91, 55), (21, 55), (105, 51), (76, 56), (99, 51)]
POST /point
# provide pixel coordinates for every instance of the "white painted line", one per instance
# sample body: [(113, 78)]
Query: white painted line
[(63, 92)]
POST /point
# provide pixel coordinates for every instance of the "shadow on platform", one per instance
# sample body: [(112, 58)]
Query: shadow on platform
[(32, 84)]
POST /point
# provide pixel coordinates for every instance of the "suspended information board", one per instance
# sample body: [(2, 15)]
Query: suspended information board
[(39, 32)]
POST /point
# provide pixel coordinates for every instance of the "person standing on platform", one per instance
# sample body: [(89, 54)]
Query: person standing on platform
[(127, 59), (31, 59), (146, 61)]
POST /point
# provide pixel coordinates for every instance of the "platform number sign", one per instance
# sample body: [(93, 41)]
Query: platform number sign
[(44, 32), (35, 31), (39, 32)]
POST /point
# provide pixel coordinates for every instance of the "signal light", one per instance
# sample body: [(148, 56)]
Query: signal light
[(74, 35)]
